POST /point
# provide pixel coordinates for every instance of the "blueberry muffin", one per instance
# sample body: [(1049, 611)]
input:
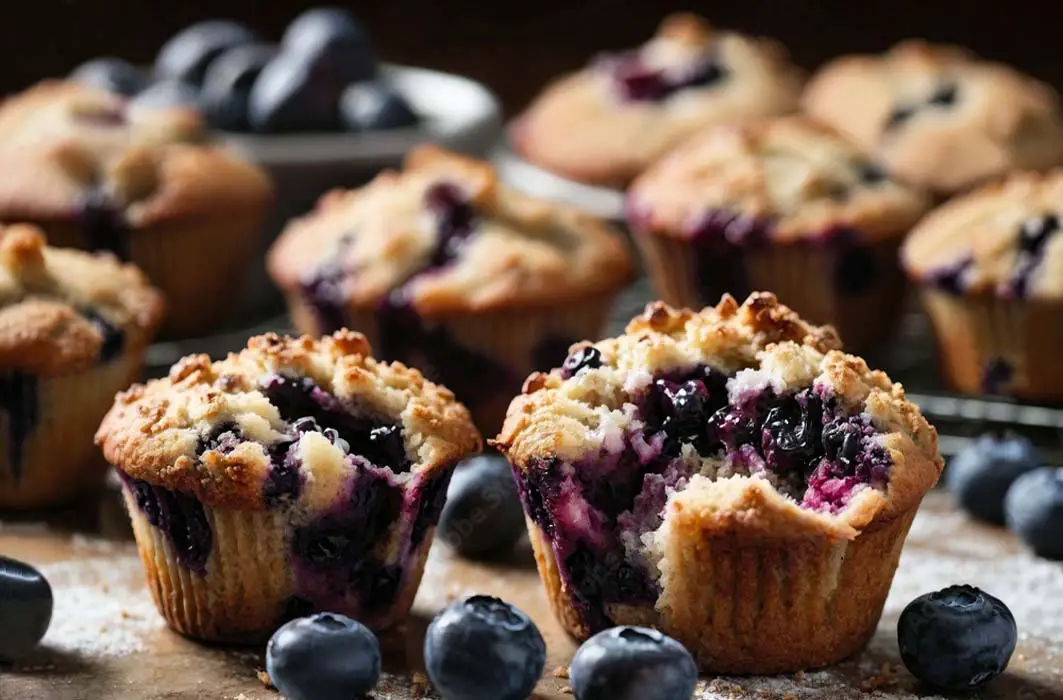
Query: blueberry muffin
[(99, 173), (784, 204), (445, 269), (606, 123), (74, 329), (726, 476), (938, 116), (296, 476), (989, 267)]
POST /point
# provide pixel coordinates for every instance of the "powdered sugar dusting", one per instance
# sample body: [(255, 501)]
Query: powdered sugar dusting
[(102, 608)]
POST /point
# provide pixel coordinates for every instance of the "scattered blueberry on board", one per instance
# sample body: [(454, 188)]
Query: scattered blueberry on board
[(484, 649), (1034, 511), (323, 657), (186, 56), (110, 74), (482, 515), (632, 663), (25, 608), (957, 639), (291, 96), (333, 40), (374, 106), (980, 475), (227, 85)]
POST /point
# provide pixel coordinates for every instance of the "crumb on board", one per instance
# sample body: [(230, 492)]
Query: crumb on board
[(567, 690), (420, 685), (561, 672), (884, 679), (264, 679), (799, 676)]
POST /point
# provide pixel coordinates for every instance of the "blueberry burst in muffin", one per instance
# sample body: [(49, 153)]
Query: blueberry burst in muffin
[(74, 328), (729, 477), (298, 475), (938, 116), (608, 122), (989, 267), (101, 173), (785, 204), (447, 270)]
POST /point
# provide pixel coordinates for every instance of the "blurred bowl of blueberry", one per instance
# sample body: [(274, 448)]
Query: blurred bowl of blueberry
[(317, 109)]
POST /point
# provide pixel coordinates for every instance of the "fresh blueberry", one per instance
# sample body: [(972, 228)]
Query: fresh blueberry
[(228, 82), (980, 475), (293, 95), (482, 514), (25, 608), (334, 40), (187, 55), (629, 663), (484, 649), (374, 106), (323, 657), (956, 639), (166, 94), (1034, 509), (588, 357), (110, 74)]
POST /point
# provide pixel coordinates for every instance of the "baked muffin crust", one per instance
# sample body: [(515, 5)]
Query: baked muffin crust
[(608, 122), (453, 238), (59, 307), (803, 178), (207, 428), (938, 115)]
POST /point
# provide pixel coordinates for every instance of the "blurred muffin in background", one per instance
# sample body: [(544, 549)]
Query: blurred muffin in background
[(447, 270), (784, 204), (100, 173), (74, 329), (990, 269), (938, 116), (606, 123)]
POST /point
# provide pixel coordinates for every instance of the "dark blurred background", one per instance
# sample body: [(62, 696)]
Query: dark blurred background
[(515, 47)]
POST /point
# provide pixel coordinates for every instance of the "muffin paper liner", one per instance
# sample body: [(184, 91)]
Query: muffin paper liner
[(244, 591), (59, 459), (199, 265), (802, 276), (515, 339), (755, 605), (998, 346)]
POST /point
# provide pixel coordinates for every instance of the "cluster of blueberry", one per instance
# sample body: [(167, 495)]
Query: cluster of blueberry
[(323, 77), (480, 648), (1000, 479)]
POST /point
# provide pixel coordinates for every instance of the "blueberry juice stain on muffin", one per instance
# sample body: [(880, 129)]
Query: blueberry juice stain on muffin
[(104, 225), (18, 414), (636, 81)]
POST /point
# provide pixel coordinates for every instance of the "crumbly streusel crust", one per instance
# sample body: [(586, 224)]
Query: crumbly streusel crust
[(580, 128), (571, 418), (524, 252), (63, 140), (939, 116), (44, 293), (153, 430), (803, 176), (979, 237)]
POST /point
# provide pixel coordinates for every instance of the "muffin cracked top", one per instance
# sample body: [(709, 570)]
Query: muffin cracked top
[(609, 121), (745, 413), (79, 150), (1003, 239), (938, 115), (447, 236), (800, 177), (286, 420), (64, 310)]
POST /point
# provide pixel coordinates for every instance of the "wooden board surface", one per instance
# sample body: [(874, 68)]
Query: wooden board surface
[(107, 642)]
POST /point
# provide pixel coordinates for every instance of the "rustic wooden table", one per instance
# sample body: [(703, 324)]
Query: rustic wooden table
[(107, 642)]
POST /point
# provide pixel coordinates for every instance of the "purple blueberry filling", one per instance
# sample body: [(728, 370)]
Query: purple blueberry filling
[(113, 336), (19, 412), (596, 512), (1033, 237), (721, 240), (104, 225), (944, 97), (950, 278), (181, 517), (638, 82), (997, 373), (588, 357)]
